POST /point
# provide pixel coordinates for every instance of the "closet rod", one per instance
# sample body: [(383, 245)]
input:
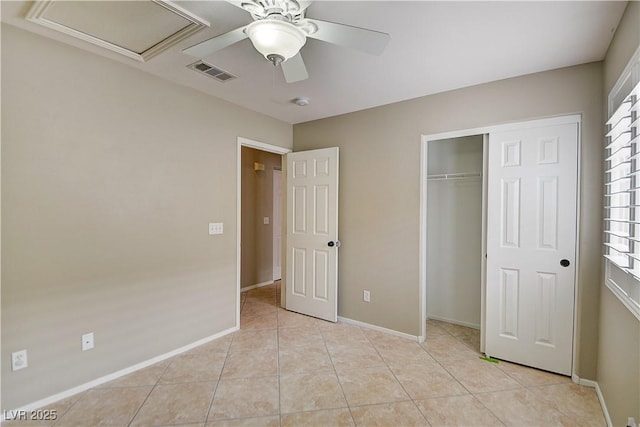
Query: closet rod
[(452, 176)]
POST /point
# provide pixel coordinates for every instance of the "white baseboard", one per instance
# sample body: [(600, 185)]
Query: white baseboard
[(455, 322), (110, 377), (594, 384), (605, 411), (378, 328), (259, 285), (587, 383)]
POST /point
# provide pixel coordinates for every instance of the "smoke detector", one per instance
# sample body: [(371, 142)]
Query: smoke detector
[(301, 101)]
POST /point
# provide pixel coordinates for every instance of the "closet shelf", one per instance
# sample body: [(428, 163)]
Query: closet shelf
[(452, 176)]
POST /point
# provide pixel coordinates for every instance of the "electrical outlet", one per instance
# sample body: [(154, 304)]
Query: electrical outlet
[(87, 341), (19, 360), (366, 296)]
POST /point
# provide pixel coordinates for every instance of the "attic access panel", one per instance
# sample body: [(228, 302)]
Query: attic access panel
[(137, 29)]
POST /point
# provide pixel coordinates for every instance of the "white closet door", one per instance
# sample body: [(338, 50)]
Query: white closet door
[(531, 246)]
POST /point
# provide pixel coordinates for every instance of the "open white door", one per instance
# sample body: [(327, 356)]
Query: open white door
[(312, 233), (531, 246)]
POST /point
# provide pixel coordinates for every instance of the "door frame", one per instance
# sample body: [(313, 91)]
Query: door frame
[(277, 201), (422, 251), (245, 142)]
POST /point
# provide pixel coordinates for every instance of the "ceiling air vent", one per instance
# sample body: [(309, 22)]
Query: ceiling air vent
[(211, 71)]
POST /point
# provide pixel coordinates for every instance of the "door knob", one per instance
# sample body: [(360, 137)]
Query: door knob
[(336, 244), (331, 244), (565, 263)]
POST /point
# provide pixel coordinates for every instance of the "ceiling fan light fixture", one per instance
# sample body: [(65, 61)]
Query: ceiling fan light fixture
[(276, 40)]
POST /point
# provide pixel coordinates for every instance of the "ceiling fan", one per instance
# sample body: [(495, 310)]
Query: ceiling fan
[(280, 29)]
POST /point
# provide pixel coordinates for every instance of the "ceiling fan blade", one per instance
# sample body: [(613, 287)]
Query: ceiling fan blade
[(368, 41), (217, 43), (237, 3), (294, 69), (248, 6), (304, 4)]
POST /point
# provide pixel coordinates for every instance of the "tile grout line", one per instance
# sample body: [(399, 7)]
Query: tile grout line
[(396, 378), (215, 389), (69, 409), (333, 365), (226, 357), (150, 391), (275, 303), (463, 386)]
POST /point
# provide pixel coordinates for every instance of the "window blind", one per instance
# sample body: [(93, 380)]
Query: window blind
[(622, 185)]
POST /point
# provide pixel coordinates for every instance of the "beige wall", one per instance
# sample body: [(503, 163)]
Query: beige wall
[(619, 346), (109, 178), (379, 188), (257, 203)]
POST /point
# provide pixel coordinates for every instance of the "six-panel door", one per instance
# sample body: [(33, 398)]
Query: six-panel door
[(531, 246), (312, 233)]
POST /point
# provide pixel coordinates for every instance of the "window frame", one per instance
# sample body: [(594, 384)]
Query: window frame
[(620, 275)]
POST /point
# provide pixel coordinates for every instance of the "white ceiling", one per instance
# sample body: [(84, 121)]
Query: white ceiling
[(434, 47)]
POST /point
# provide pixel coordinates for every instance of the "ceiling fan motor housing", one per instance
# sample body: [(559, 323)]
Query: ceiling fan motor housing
[(290, 10)]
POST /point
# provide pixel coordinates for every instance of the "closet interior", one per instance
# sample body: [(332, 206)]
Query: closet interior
[(455, 229)]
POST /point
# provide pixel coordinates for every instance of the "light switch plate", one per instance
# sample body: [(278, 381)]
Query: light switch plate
[(216, 228), (265, 220)]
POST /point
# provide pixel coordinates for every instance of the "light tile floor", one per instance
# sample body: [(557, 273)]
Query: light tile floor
[(286, 369)]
